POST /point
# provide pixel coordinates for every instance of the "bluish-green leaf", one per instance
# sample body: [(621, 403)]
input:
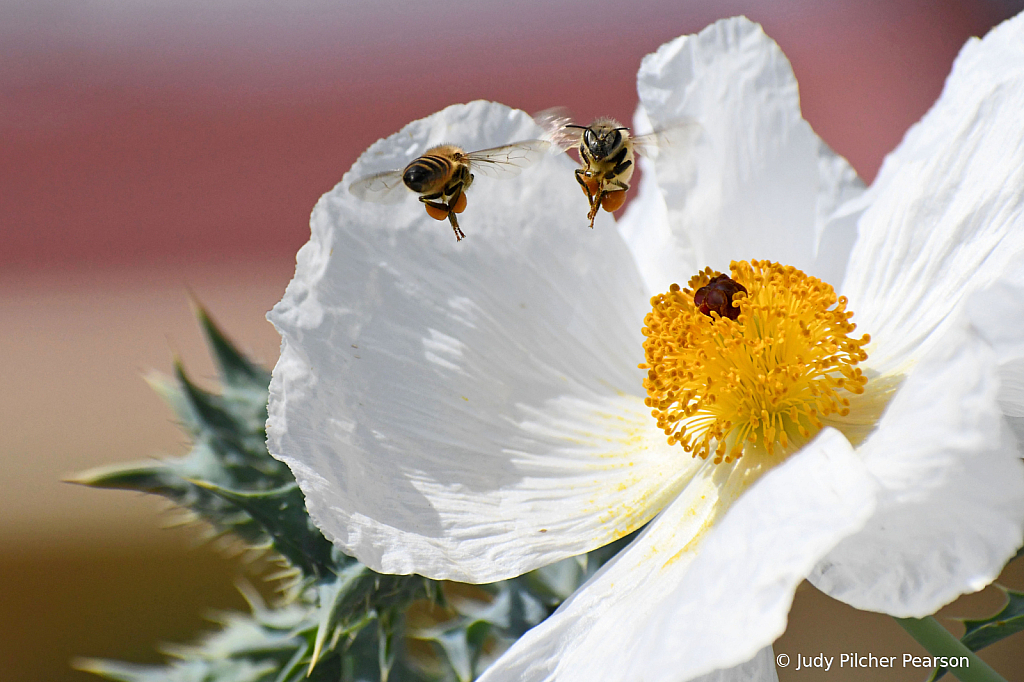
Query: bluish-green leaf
[(236, 370), (181, 671), (980, 633), (282, 515), (1008, 621)]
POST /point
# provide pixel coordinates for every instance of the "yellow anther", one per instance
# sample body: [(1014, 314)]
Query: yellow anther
[(716, 384)]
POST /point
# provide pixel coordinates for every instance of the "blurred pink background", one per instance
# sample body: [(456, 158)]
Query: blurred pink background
[(149, 147), (148, 133)]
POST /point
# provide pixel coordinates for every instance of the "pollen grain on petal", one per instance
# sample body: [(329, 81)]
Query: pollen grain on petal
[(751, 361)]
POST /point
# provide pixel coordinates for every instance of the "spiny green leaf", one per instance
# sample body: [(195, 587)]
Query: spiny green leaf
[(333, 614), (360, 662), (207, 407), (173, 479), (495, 612), (480, 623), (169, 477), (293, 669), (236, 370), (153, 478), (229, 453), (387, 631), (556, 582), (243, 636), (1009, 620), (240, 438), (282, 515), (979, 634), (456, 646), (170, 392), (232, 423), (329, 670), (357, 597), (183, 671), (525, 609)]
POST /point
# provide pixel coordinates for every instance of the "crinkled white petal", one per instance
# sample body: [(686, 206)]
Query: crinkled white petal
[(997, 312), (755, 181), (709, 584), (951, 500), (1011, 398), (474, 410), (646, 230), (946, 213)]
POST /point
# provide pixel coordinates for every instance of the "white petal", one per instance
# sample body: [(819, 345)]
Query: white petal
[(947, 209), (998, 314), (474, 410), (646, 230), (951, 502), (757, 182), (708, 585), (1011, 398)]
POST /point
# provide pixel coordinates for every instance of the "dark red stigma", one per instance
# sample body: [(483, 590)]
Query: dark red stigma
[(717, 295)]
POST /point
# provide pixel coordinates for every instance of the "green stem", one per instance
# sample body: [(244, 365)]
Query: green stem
[(939, 642)]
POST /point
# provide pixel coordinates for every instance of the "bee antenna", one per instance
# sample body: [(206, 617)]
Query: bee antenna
[(622, 128), (573, 125)]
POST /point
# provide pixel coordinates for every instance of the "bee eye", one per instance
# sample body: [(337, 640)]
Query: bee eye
[(590, 140), (613, 140)]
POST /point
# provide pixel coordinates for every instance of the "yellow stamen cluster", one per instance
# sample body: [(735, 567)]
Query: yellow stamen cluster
[(716, 385)]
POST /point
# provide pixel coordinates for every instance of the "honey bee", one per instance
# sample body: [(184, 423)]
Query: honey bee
[(607, 154), (443, 174)]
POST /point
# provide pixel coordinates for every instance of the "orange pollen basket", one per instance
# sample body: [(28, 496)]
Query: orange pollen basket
[(717, 385)]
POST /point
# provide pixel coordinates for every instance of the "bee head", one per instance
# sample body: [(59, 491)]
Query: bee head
[(602, 141)]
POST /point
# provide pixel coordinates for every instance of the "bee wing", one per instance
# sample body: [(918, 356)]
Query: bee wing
[(380, 188), (676, 135), (554, 122), (508, 160)]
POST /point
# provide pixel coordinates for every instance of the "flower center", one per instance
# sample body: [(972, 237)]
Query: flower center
[(752, 360)]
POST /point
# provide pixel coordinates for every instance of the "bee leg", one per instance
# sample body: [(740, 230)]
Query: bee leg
[(580, 178), (453, 206), (435, 209), (435, 204), (594, 204), (583, 184), (593, 208), (459, 235), (454, 194), (449, 210)]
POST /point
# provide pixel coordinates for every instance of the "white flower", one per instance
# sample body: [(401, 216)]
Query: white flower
[(473, 411)]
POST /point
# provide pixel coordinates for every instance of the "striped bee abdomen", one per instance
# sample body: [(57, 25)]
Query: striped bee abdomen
[(427, 172)]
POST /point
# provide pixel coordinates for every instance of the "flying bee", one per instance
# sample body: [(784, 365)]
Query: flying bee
[(607, 154), (443, 174)]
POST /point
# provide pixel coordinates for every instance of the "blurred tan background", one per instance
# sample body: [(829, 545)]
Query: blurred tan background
[(151, 147)]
